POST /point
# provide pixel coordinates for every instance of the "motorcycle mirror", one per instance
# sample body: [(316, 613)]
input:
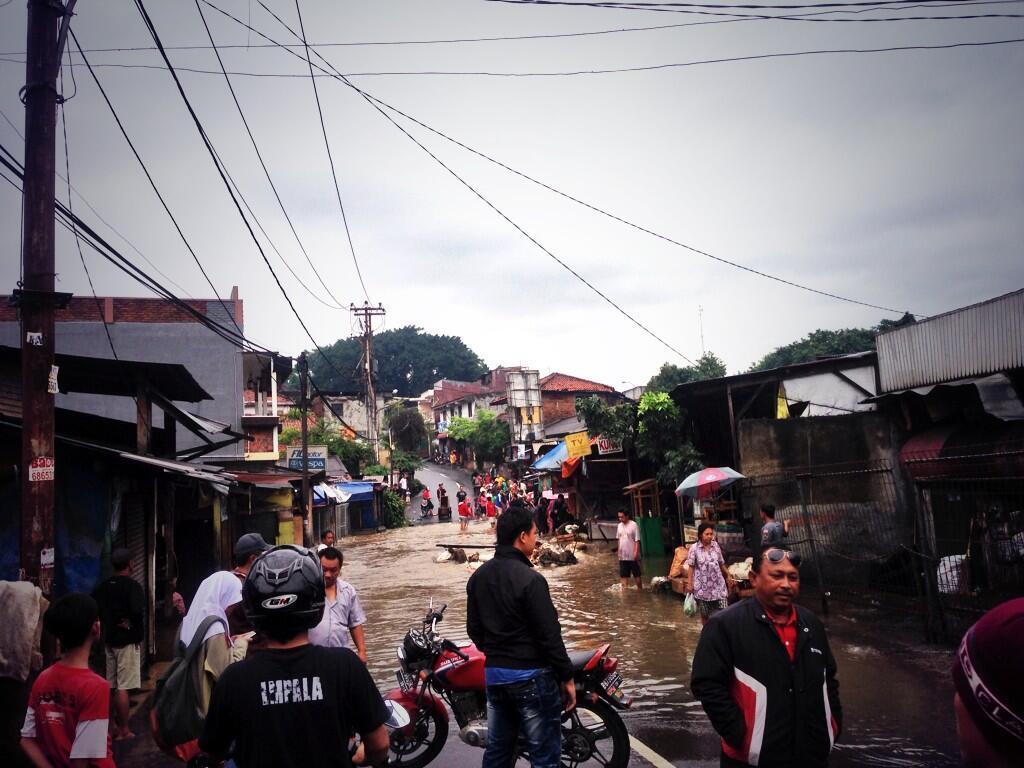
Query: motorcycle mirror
[(398, 717)]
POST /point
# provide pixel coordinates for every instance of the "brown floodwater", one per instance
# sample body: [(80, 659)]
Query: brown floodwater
[(896, 693)]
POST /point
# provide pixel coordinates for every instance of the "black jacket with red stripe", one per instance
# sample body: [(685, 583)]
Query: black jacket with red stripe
[(769, 711)]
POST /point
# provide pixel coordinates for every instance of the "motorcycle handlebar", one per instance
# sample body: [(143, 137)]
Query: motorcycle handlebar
[(448, 645)]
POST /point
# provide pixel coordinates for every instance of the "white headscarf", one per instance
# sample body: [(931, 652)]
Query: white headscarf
[(213, 597)]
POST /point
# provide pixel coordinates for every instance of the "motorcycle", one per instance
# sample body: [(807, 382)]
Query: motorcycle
[(434, 671), (426, 509)]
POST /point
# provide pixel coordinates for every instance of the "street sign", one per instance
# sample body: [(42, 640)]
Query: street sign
[(41, 469), (317, 457), (578, 444), (607, 445)]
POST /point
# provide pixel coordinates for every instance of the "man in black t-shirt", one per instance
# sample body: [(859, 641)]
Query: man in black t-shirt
[(122, 605), (293, 704)]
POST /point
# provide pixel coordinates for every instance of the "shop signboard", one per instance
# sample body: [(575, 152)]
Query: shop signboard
[(578, 444), (607, 445), (317, 457)]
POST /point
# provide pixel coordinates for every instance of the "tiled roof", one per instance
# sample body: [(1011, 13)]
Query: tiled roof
[(562, 382), (444, 396)]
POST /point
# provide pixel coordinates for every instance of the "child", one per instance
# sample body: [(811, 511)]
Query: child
[(464, 515), (69, 705)]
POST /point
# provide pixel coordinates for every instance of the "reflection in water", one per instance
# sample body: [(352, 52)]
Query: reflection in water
[(897, 700)]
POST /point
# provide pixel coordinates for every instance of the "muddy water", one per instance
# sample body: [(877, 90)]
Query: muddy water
[(896, 695)]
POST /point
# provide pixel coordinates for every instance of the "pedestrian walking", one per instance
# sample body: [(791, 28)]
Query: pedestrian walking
[(460, 493), (403, 485), (707, 579), (248, 547), (510, 617), (492, 511), (765, 675), (66, 722), (988, 675), (293, 703), (464, 516), (326, 539), (773, 532), (342, 625), (628, 534), (122, 606)]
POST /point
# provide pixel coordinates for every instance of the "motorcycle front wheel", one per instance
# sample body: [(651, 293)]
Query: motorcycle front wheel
[(593, 734), (426, 742)]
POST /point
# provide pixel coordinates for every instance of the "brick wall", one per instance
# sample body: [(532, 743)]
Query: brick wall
[(262, 440), (562, 405), (133, 310)]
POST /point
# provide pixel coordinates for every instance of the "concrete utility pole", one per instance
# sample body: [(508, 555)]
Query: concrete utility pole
[(35, 297), (304, 408), (365, 314)]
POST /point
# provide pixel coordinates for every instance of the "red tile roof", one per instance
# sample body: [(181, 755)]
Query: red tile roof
[(562, 382)]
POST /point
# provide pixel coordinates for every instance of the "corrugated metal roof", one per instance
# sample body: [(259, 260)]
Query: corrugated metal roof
[(976, 340)]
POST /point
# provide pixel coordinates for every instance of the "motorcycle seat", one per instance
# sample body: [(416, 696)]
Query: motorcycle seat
[(584, 661)]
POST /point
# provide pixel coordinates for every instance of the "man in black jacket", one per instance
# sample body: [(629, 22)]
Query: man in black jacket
[(510, 617), (764, 672)]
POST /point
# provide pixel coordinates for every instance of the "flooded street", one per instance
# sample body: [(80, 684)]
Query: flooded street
[(896, 693)]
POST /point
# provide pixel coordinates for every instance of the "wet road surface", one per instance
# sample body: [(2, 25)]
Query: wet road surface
[(896, 693)]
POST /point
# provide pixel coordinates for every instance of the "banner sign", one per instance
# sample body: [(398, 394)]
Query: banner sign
[(317, 457), (607, 445), (578, 444)]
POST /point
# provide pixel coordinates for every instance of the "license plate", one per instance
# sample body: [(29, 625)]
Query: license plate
[(405, 681), (611, 685)]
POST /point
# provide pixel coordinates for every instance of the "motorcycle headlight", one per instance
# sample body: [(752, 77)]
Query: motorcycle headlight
[(414, 647)]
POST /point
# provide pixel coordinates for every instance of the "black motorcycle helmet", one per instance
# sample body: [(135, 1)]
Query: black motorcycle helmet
[(284, 591)]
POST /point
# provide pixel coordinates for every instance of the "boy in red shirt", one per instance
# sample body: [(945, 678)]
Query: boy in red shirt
[(69, 707), (464, 515)]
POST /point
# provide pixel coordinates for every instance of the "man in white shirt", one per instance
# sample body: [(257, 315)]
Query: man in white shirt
[(343, 620), (628, 534)]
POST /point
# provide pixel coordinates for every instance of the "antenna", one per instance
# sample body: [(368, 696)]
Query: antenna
[(700, 322)]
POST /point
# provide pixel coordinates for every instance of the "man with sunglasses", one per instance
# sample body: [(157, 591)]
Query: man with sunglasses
[(765, 674)]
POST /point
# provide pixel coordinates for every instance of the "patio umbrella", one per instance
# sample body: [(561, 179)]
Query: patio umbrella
[(707, 482)]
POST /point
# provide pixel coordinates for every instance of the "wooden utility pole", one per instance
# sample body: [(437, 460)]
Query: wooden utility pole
[(35, 297), (304, 408), (365, 314)]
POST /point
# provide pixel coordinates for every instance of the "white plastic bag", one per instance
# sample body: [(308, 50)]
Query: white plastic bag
[(690, 605)]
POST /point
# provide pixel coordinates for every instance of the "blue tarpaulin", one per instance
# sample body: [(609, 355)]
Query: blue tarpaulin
[(354, 491), (553, 459)]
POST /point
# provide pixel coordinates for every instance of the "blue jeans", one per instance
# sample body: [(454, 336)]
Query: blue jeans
[(533, 707)]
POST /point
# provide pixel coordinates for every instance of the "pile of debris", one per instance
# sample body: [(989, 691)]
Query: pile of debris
[(547, 553)]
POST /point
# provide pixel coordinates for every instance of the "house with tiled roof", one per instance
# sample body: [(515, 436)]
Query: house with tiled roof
[(558, 393)]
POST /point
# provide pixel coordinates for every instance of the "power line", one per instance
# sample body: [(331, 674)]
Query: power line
[(149, 177), (209, 147), (97, 214), (327, 144), (579, 201), (266, 172), (495, 38), (633, 6)]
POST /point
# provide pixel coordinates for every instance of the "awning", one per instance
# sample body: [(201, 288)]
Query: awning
[(997, 394), (965, 452), (354, 492), (552, 460), (325, 495)]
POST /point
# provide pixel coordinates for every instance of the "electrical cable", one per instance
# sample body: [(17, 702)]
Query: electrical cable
[(497, 210), (496, 38), (594, 208), (633, 6), (149, 177), (74, 228), (209, 147), (106, 223), (327, 145), (266, 171)]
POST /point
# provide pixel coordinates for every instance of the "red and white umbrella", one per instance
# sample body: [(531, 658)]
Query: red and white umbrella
[(707, 482)]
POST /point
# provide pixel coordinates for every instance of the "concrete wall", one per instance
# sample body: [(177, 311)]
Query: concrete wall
[(213, 362)]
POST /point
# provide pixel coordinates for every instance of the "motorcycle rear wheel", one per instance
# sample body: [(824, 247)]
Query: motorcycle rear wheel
[(429, 736), (593, 734)]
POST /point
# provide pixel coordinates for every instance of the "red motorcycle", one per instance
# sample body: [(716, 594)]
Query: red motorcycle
[(435, 671)]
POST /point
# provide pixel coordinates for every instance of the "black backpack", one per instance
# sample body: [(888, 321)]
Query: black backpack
[(177, 713)]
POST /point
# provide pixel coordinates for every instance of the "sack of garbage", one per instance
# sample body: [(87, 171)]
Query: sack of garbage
[(690, 605)]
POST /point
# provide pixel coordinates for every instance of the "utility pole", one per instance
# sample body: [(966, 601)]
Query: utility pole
[(365, 315), (35, 297), (304, 408)]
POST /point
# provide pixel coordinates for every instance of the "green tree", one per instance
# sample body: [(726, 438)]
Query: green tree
[(670, 376), (394, 510), (405, 462), (826, 343), (484, 433), (408, 430), (408, 360), (353, 454), (290, 436)]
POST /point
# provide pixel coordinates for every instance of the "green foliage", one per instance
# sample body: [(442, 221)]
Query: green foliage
[(653, 427), (415, 486), (708, 366), (295, 414), (408, 361), (825, 343), (408, 429), (290, 436), (375, 469), (405, 462), (394, 510), (352, 454), (485, 434)]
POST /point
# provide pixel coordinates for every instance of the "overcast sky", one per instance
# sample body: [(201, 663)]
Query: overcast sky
[(891, 178)]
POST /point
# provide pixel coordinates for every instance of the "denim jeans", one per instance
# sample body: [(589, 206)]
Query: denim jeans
[(533, 708)]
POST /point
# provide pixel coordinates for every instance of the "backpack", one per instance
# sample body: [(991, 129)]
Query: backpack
[(177, 714)]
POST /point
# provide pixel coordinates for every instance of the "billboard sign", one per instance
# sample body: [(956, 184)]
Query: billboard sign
[(578, 444), (607, 445), (317, 457)]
